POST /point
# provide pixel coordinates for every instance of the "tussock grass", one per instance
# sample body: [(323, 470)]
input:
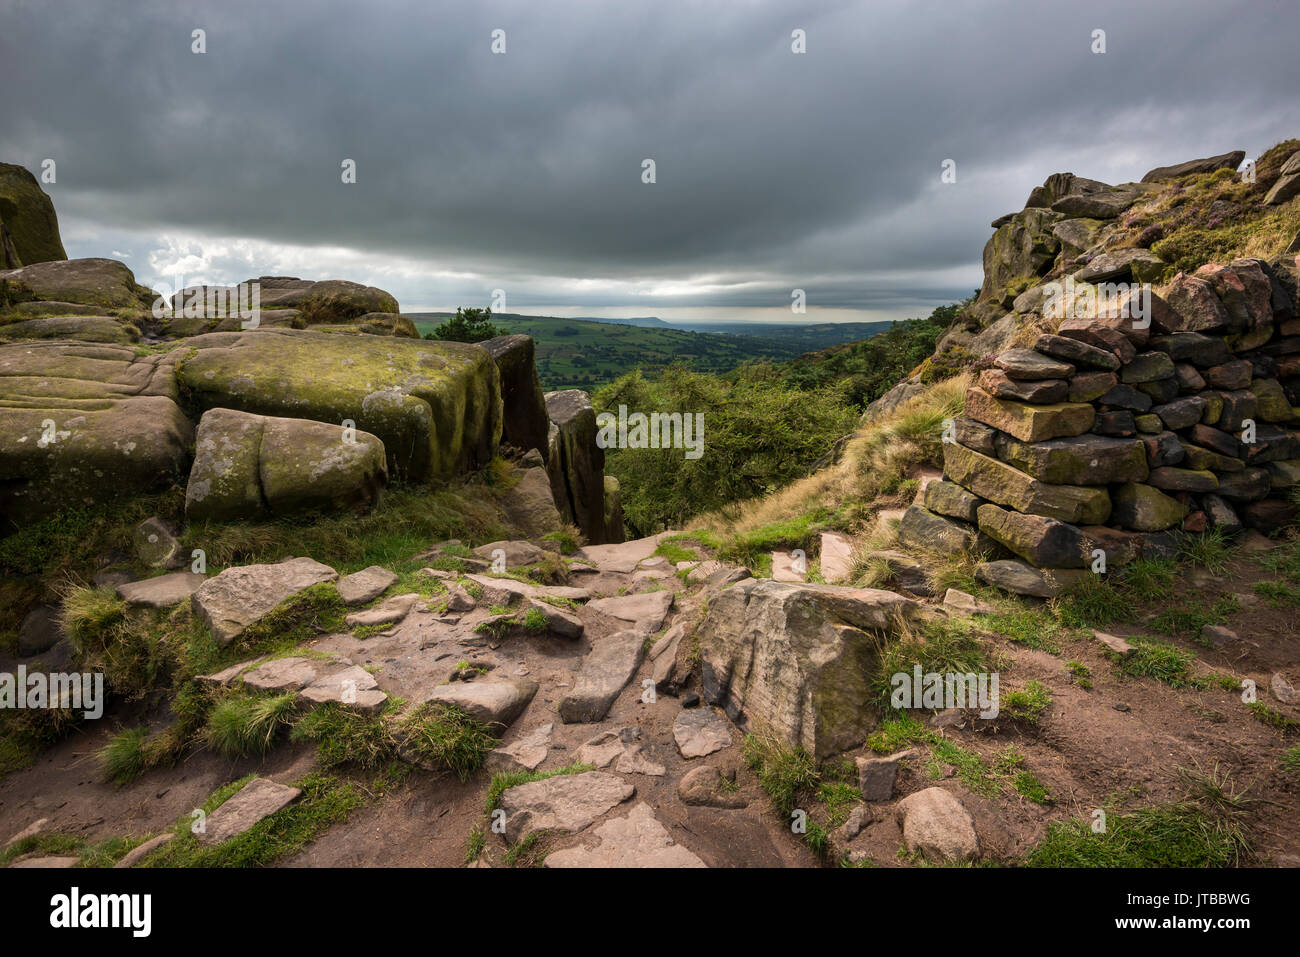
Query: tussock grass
[(880, 452), (243, 725), (444, 736), (1206, 828), (943, 647), (123, 758)]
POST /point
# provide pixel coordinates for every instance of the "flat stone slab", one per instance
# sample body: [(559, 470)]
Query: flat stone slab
[(164, 591), (622, 750), (137, 854), (242, 596), (389, 613), (645, 611), (529, 750), (494, 702), (607, 668), (638, 840), (255, 801), (566, 802), (353, 687), (365, 585), (558, 620), (623, 557), (784, 568), (836, 557), (507, 591), (700, 731), (283, 674), (47, 862), (225, 676)]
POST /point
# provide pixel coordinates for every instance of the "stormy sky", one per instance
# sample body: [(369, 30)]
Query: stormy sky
[(522, 170)]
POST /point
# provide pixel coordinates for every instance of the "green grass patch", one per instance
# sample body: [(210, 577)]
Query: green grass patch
[(326, 800)]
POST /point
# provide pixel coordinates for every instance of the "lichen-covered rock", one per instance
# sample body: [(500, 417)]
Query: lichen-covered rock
[(921, 528), (26, 209), (326, 301), (1006, 485), (436, 406), (1145, 509), (796, 660), (84, 424), (1022, 246), (96, 282), (1080, 460), (525, 425), (247, 466), (81, 328), (1043, 541), (576, 463), (613, 510), (1030, 423)]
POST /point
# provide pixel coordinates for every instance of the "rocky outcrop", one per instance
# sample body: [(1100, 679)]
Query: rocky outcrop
[(247, 467), (28, 215), (436, 406), (795, 660), (1191, 167), (525, 425), (576, 464), (320, 302)]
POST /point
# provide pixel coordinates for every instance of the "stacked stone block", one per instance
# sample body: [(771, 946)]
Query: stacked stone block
[(1118, 434)]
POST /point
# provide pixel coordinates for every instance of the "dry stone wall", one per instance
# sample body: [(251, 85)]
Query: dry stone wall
[(1119, 431)]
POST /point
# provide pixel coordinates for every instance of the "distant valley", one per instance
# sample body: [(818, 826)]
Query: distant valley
[(586, 353)]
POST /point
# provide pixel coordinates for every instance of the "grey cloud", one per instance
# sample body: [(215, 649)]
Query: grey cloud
[(771, 166)]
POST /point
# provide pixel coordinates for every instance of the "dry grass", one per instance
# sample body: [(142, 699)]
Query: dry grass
[(874, 460)]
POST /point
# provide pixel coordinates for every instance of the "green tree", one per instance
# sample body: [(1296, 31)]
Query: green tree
[(468, 325), (759, 434)]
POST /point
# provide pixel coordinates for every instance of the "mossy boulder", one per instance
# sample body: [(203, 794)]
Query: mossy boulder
[(28, 213), (85, 424), (1146, 509), (82, 328), (436, 406), (104, 283), (82, 424), (249, 466)]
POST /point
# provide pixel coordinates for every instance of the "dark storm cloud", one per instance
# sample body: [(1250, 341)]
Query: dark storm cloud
[(818, 170)]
